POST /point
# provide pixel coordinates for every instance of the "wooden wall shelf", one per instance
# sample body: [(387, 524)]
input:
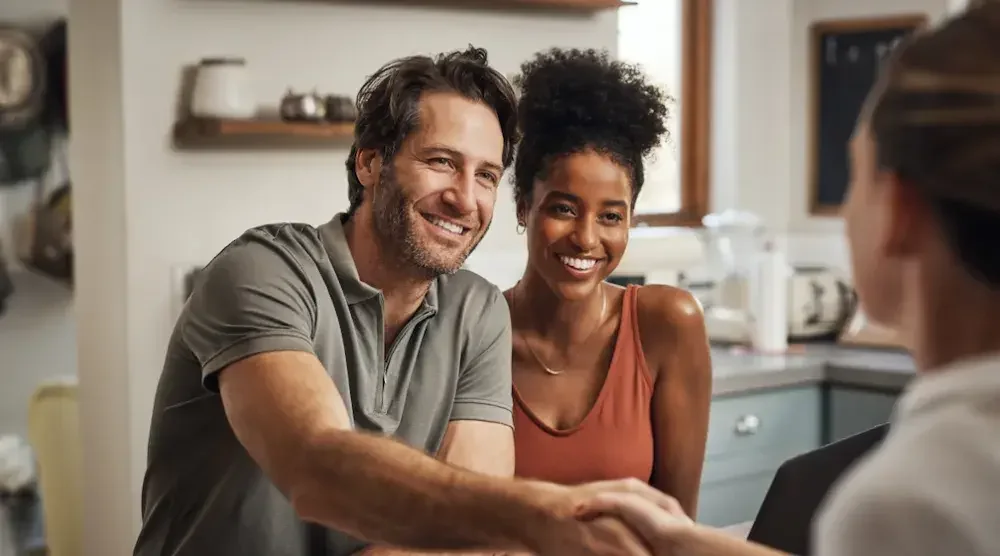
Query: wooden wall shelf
[(207, 134), (567, 5)]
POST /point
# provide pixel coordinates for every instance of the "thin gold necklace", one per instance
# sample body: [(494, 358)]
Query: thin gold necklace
[(600, 321)]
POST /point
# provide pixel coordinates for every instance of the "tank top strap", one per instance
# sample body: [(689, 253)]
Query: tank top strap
[(629, 338)]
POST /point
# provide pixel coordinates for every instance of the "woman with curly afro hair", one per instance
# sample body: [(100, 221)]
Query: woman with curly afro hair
[(609, 382)]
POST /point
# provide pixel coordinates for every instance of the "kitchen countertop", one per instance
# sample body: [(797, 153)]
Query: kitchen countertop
[(740, 372)]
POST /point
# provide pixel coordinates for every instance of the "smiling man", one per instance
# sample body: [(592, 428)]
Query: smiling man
[(329, 386)]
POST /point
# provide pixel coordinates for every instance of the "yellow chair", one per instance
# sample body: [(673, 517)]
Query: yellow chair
[(54, 434)]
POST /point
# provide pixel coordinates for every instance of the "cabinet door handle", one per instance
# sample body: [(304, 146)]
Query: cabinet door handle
[(747, 425)]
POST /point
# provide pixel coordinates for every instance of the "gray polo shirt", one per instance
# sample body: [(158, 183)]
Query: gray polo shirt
[(295, 287), (932, 488)]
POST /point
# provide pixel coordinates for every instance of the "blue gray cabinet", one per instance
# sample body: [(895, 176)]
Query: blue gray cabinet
[(852, 410), (749, 436)]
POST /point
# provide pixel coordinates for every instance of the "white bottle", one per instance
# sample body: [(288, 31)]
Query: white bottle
[(769, 301)]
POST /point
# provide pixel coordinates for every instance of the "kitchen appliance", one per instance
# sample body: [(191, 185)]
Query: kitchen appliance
[(303, 107), (222, 90), (820, 300), (820, 304), (340, 108), (731, 239)]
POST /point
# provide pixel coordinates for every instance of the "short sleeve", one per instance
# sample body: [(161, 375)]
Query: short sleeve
[(252, 298), (484, 385)]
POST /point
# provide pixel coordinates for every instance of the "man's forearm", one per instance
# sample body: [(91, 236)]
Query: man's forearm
[(382, 491), (390, 551)]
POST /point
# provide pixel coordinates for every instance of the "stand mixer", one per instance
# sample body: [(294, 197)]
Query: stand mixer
[(732, 241)]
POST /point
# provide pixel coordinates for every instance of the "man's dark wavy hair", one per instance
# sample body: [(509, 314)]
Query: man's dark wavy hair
[(389, 103)]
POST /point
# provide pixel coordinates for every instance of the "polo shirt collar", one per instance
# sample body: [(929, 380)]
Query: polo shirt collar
[(356, 291)]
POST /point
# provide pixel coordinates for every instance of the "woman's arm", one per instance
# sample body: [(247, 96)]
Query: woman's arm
[(672, 327), (669, 533)]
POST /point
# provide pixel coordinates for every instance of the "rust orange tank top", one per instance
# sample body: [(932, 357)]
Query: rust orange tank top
[(614, 440)]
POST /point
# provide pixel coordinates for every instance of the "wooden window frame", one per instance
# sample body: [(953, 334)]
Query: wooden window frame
[(697, 23)]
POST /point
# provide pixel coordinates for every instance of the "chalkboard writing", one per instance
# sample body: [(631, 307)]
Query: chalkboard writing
[(846, 58)]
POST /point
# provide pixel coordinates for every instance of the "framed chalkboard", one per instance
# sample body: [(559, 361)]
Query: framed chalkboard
[(845, 59)]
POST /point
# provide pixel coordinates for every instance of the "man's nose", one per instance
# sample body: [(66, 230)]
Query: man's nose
[(461, 196)]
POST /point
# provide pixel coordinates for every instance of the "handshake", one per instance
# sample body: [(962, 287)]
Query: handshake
[(616, 518)]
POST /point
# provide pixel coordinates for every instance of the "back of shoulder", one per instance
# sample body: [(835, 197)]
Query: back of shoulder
[(265, 250), (277, 261), (299, 241), (921, 450), (931, 486), (666, 304), (668, 312)]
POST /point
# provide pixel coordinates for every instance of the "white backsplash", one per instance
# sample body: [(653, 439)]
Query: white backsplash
[(660, 253), (657, 253)]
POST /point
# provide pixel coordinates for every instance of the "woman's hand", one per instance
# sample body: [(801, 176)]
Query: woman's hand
[(667, 530), (660, 525)]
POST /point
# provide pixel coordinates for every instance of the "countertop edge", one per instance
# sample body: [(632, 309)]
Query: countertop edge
[(888, 372)]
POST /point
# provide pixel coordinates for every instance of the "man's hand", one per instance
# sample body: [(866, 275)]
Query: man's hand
[(606, 536), (585, 531), (601, 495), (660, 525)]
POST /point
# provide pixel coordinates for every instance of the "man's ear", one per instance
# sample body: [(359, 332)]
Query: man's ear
[(368, 166)]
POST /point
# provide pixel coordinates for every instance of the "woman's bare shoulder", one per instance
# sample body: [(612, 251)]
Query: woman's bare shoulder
[(668, 306)]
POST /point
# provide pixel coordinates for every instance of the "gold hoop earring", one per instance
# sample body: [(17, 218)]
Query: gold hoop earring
[(520, 228)]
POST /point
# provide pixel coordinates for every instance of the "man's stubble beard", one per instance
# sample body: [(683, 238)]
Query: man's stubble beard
[(395, 222)]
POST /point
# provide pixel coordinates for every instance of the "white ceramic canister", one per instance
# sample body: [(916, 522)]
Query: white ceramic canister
[(222, 90)]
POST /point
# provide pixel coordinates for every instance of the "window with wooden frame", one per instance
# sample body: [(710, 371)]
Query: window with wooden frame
[(672, 41)]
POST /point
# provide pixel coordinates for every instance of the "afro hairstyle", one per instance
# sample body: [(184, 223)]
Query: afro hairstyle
[(578, 100)]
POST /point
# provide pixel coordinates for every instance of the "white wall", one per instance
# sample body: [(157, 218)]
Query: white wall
[(820, 239), (37, 342), (760, 118), (750, 122)]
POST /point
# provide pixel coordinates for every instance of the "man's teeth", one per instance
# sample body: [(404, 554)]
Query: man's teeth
[(578, 264), (451, 227)]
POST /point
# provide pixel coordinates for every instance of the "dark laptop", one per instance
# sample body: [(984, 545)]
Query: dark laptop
[(784, 521)]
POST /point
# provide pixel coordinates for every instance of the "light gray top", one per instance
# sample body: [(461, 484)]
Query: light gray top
[(295, 287), (933, 486)]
